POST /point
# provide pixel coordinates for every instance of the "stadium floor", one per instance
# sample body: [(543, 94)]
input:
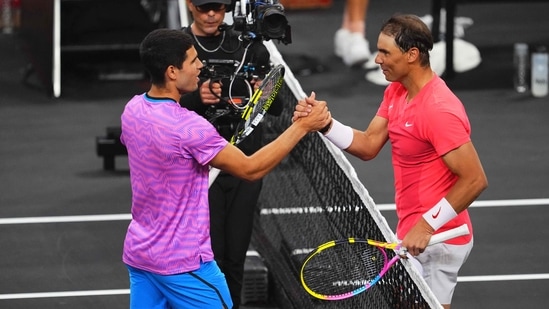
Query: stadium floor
[(52, 179)]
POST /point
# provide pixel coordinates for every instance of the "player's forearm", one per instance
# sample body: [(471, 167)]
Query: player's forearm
[(267, 158), (365, 145), (466, 191)]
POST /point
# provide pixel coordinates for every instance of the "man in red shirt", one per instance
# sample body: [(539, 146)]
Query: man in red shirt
[(437, 171)]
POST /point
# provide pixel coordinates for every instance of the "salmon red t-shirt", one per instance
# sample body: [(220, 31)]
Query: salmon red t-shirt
[(421, 131)]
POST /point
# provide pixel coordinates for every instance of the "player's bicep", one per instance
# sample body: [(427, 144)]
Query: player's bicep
[(465, 163), (463, 160)]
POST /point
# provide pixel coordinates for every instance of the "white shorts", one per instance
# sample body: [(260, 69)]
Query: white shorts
[(440, 264)]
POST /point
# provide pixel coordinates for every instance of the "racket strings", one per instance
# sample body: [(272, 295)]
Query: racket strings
[(343, 268), (259, 103), (270, 85)]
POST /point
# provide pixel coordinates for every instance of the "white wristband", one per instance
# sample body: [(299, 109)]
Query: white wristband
[(341, 135), (440, 214)]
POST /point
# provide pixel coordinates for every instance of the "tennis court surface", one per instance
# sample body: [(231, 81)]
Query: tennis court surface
[(63, 218)]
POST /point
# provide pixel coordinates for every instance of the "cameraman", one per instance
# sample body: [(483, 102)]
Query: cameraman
[(232, 200)]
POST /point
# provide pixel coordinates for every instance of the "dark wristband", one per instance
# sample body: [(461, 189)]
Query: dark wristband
[(326, 128)]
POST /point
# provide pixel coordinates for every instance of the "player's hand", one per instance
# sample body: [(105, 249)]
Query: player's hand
[(317, 114), (256, 82), (304, 107), (418, 238), (210, 92)]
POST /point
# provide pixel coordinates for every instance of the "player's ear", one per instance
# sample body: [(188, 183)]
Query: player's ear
[(412, 54), (171, 72)]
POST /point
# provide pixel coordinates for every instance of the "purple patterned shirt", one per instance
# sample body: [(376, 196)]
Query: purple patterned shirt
[(169, 148)]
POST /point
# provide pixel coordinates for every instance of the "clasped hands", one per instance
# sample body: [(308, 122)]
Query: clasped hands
[(314, 111)]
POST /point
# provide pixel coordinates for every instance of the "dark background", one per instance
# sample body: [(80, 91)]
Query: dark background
[(48, 164)]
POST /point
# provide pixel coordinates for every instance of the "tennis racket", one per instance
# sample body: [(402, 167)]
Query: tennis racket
[(341, 269), (259, 104)]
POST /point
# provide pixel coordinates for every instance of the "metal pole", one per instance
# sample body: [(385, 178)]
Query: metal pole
[(7, 21)]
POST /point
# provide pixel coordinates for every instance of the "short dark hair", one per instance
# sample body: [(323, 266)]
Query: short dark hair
[(410, 31), (162, 48)]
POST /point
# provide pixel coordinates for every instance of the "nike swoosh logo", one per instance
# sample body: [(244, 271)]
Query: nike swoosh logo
[(407, 124), (436, 214)]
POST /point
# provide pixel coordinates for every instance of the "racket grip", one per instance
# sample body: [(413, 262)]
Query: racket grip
[(449, 234)]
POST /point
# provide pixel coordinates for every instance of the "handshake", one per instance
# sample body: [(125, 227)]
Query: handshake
[(313, 113), (340, 135)]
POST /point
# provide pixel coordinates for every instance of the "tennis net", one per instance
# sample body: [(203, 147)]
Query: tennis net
[(314, 196)]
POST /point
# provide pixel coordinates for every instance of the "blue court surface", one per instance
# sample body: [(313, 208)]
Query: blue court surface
[(63, 218)]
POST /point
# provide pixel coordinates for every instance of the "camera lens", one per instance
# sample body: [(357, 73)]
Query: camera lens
[(274, 25), (273, 22)]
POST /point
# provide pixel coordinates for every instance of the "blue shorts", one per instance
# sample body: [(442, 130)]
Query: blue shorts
[(204, 288)]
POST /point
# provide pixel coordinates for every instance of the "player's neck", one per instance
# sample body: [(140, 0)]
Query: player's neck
[(417, 80), (163, 92)]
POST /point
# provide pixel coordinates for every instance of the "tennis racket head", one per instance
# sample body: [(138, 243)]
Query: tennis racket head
[(260, 103), (341, 269)]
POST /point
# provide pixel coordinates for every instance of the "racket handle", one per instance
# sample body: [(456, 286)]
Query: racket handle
[(213, 175), (449, 234)]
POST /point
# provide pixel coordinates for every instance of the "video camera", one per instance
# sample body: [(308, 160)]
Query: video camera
[(256, 20), (267, 20)]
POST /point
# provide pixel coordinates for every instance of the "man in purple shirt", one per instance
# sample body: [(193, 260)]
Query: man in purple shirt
[(167, 247)]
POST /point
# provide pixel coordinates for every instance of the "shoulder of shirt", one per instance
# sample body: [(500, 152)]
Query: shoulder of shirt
[(394, 88)]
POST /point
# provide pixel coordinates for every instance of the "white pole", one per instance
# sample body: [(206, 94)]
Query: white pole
[(56, 64), (7, 20), (183, 17)]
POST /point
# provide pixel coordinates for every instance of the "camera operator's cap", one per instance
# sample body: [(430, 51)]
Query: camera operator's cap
[(201, 2)]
